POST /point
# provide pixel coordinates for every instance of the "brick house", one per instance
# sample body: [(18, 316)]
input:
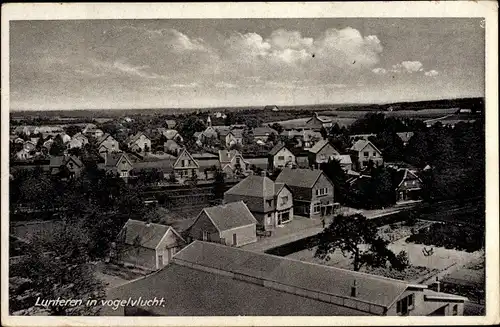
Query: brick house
[(363, 151), (271, 203), (139, 143), (118, 163), (147, 245), (312, 191), (107, 144), (280, 157), (322, 152), (230, 224), (185, 166), (409, 185)]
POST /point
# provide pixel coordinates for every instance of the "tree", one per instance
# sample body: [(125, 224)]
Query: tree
[(356, 237), (333, 170), (57, 266), (219, 186), (191, 125), (277, 127), (72, 130), (57, 148)]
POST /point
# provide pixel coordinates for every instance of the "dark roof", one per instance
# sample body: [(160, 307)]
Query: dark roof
[(293, 273), (62, 160), (277, 148), (257, 186), (299, 177), (230, 215), (406, 136), (190, 292), (264, 130), (359, 145), (140, 233), (166, 165)]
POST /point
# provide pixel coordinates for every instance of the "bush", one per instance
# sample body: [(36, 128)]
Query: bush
[(450, 236)]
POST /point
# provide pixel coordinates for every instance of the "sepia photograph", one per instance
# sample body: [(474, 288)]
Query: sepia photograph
[(254, 166)]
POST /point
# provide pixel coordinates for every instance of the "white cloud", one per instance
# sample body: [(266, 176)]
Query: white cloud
[(380, 71), (407, 67), (189, 85), (283, 39), (432, 73)]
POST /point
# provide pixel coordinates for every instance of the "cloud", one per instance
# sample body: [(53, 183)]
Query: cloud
[(407, 67), (380, 71), (225, 85), (190, 85), (432, 73)]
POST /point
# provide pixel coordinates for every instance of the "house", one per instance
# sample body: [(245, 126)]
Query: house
[(271, 203), (147, 245), (107, 144), (363, 152), (271, 108), (74, 143), (345, 161), (65, 137), (139, 143), (305, 138), (170, 123), (231, 137), (312, 191), (82, 138), (355, 137), (280, 157), (230, 224), (118, 163), (172, 147), (29, 146), (322, 152), (24, 154), (409, 185), (208, 133), (185, 166), (166, 166), (204, 277), (65, 166), (47, 145), (171, 134), (231, 162), (405, 137), (317, 122), (262, 133)]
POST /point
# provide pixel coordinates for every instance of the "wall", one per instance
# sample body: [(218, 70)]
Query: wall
[(288, 156), (244, 235), (203, 223), (139, 256)]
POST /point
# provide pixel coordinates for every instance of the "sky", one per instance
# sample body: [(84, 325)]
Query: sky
[(105, 64)]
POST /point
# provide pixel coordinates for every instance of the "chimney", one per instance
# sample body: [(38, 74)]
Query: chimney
[(250, 173), (354, 289), (438, 284), (263, 173)]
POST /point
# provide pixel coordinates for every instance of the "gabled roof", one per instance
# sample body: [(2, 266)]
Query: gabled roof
[(136, 137), (166, 166), (256, 186), (321, 119), (277, 148), (228, 155), (406, 136), (147, 235), (263, 131), (103, 138), (403, 173), (319, 146), (185, 152), (113, 158), (344, 159), (171, 144), (170, 133), (294, 274), (62, 160), (230, 215), (359, 145), (299, 177)]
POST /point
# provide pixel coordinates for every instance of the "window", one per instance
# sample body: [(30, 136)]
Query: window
[(366, 154), (284, 200), (322, 156), (317, 208), (124, 173), (404, 305), (374, 154), (281, 158), (290, 158), (283, 217), (455, 310), (204, 235), (238, 160), (269, 202), (412, 182), (112, 145), (322, 191)]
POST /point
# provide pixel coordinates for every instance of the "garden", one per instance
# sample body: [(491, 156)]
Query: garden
[(450, 236)]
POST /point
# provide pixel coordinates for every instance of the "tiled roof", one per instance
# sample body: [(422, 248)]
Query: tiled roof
[(230, 215), (359, 145), (406, 136), (318, 146), (277, 148), (164, 165), (257, 186), (263, 131), (103, 138), (113, 158), (172, 145), (344, 159), (140, 233), (299, 177), (337, 282), (170, 133), (191, 292)]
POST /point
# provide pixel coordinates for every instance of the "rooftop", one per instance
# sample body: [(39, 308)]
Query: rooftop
[(230, 215), (299, 177), (143, 234), (257, 186)]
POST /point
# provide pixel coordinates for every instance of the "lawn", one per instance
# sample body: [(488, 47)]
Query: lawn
[(397, 231)]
